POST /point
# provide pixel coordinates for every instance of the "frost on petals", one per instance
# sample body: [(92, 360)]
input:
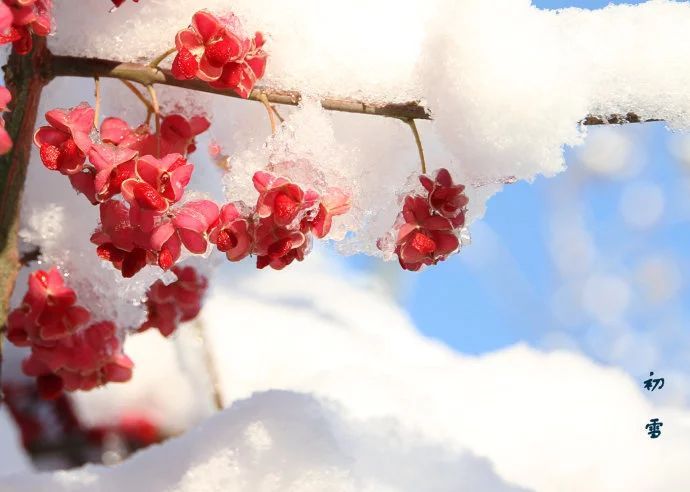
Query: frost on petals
[(426, 231), (216, 50), (66, 354)]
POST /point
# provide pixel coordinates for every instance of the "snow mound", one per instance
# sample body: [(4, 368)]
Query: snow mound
[(281, 441)]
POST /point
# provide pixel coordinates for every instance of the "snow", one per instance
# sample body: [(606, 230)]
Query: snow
[(281, 441), (506, 92), (14, 458), (583, 423)]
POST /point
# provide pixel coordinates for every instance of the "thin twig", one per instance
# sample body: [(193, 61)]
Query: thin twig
[(157, 61), (210, 365), (156, 110), (418, 141), (139, 95), (269, 110), (280, 118), (97, 92)]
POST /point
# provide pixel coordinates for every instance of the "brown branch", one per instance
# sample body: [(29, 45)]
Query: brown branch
[(24, 80), (58, 66), (615, 119)]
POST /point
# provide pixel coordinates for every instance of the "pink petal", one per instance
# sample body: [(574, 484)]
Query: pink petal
[(49, 135), (179, 179), (189, 39), (57, 118), (206, 24), (148, 168), (194, 242), (161, 234), (114, 130), (208, 72)]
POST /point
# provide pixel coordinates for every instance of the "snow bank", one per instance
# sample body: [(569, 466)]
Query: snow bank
[(541, 419), (545, 420), (281, 441)]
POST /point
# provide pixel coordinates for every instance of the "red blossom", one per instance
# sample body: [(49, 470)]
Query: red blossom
[(426, 230), (64, 144), (180, 301), (234, 234), (282, 200), (423, 239), (157, 182), (217, 51), (47, 313), (334, 202), (64, 354), (189, 226), (112, 166), (117, 132), (277, 247), (445, 198), (26, 17), (206, 46), (119, 241)]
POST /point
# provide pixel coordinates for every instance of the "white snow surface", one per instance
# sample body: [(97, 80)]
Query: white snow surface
[(506, 82), (14, 458), (284, 442), (545, 421)]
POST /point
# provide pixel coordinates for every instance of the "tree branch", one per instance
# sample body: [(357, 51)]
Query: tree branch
[(24, 80), (57, 66)]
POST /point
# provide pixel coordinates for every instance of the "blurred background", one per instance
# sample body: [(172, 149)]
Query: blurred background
[(593, 261)]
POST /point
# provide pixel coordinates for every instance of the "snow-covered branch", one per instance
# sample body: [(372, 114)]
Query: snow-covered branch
[(57, 66)]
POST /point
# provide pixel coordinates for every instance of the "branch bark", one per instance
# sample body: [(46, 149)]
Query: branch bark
[(23, 79)]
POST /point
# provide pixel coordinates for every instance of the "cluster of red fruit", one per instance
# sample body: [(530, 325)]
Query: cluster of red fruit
[(217, 51), (150, 224), (67, 353), (426, 231), (19, 19), (177, 302)]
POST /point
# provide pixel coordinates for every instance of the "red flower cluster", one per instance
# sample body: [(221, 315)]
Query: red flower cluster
[(5, 140), (278, 230), (19, 19), (151, 224), (66, 354), (143, 228), (217, 51), (180, 301), (425, 232)]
